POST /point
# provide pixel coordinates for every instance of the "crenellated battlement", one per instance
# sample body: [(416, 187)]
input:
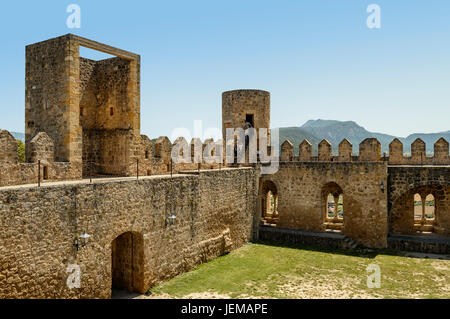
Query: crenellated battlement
[(369, 151), (41, 165), (418, 153)]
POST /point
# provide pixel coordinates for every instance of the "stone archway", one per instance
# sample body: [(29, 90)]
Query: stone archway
[(127, 262), (269, 203)]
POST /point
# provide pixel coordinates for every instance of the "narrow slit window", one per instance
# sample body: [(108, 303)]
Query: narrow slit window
[(250, 119), (331, 207), (45, 173), (430, 207)]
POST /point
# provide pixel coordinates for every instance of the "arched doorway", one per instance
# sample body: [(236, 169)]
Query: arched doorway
[(127, 262), (269, 203), (333, 199)]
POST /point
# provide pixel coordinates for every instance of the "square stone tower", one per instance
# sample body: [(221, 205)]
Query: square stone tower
[(91, 109)]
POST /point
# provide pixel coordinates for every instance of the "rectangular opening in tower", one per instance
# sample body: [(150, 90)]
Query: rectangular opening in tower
[(249, 118)]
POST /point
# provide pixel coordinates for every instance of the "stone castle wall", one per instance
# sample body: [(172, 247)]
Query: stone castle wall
[(302, 190), (214, 213), (404, 183)]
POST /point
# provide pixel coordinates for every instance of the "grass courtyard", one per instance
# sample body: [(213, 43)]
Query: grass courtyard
[(267, 270)]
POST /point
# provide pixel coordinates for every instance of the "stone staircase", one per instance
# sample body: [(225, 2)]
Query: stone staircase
[(350, 244)]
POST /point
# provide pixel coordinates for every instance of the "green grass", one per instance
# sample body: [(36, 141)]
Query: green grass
[(273, 271)]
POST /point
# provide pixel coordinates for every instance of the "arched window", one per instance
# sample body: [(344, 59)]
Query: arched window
[(331, 207), (430, 207), (418, 209), (424, 211), (334, 206), (272, 203)]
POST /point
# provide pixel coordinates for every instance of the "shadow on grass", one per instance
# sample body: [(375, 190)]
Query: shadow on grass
[(361, 253)]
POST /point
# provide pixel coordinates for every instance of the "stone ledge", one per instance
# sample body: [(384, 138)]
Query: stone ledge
[(319, 239), (423, 244)]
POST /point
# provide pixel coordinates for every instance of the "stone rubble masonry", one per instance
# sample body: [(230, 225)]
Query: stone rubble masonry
[(42, 148), (8, 148), (214, 214)]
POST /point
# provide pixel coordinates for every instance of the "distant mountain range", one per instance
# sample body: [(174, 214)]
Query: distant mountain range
[(18, 136), (335, 131)]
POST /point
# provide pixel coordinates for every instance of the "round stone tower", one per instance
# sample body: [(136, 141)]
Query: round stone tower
[(244, 108)]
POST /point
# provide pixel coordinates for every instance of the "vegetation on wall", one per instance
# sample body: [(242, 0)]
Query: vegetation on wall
[(21, 151)]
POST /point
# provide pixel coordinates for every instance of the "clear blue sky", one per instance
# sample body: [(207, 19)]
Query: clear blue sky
[(317, 58)]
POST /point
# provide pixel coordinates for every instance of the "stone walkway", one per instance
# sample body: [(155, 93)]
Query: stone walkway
[(103, 180)]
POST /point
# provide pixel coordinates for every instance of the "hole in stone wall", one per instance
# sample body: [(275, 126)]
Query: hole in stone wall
[(45, 173)]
